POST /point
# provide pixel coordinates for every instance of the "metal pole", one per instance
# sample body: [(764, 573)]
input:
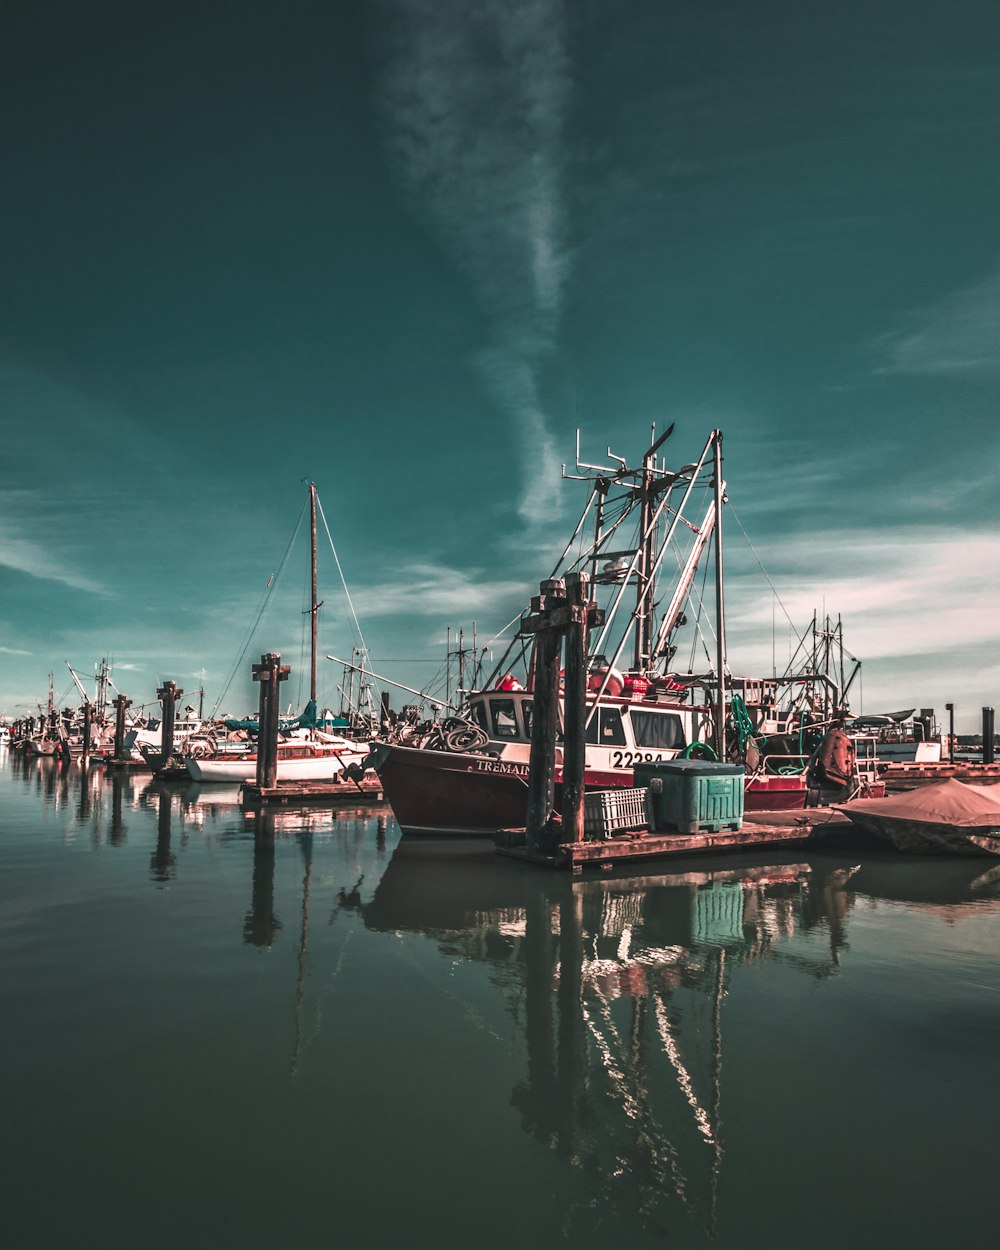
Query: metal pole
[(988, 746), (950, 709), (720, 726)]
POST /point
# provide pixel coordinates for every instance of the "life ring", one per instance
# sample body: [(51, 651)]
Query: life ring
[(704, 752)]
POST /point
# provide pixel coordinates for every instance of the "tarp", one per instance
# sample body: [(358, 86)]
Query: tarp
[(948, 802)]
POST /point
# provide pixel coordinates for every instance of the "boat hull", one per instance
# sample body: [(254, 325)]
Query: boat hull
[(435, 793), (231, 770)]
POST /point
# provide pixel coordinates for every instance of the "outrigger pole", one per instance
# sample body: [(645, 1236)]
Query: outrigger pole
[(720, 723)]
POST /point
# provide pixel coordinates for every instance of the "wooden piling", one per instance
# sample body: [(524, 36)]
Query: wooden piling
[(270, 672), (168, 694), (120, 704), (989, 751), (544, 713), (575, 707)]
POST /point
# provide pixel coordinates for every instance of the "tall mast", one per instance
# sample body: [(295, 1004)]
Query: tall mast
[(314, 606), (720, 727)]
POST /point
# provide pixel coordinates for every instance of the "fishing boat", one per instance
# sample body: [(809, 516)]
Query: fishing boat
[(468, 774), (949, 818)]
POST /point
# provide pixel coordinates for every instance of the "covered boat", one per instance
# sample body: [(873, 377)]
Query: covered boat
[(948, 817)]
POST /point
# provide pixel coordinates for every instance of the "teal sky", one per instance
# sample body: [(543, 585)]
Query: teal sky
[(405, 248)]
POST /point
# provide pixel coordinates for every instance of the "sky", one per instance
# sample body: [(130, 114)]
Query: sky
[(406, 248)]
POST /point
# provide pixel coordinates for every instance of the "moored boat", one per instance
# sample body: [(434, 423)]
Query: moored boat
[(949, 818), (468, 774), (298, 760)]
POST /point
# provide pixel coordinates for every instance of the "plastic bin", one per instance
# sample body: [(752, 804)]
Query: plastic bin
[(692, 795), (606, 812)]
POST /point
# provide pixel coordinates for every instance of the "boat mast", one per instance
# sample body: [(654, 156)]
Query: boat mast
[(720, 723), (314, 606)]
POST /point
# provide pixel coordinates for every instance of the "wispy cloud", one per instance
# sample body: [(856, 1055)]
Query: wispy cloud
[(960, 335), (435, 590), (913, 597), (15, 651), (25, 555), (474, 95)]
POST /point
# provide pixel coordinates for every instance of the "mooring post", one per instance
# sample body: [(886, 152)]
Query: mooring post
[(950, 709), (575, 706), (988, 733), (88, 729), (121, 703), (269, 672), (544, 713), (168, 694)]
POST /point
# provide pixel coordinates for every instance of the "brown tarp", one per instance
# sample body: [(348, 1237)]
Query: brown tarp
[(948, 802)]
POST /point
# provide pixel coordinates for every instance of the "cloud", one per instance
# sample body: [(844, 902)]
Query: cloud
[(435, 590), (474, 95), (916, 594), (960, 335), (25, 555), (14, 651)]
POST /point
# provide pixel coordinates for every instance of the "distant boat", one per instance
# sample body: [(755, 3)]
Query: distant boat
[(949, 818), (903, 737)]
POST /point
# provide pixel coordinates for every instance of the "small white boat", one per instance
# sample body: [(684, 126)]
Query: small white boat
[(297, 761)]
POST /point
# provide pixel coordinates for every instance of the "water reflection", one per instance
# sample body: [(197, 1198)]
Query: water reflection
[(619, 985)]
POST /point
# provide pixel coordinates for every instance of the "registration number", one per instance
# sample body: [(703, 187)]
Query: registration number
[(629, 759)]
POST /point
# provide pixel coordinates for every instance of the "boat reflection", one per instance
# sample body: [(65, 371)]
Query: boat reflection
[(619, 984)]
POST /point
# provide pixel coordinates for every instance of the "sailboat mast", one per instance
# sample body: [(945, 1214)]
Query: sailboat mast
[(314, 607)]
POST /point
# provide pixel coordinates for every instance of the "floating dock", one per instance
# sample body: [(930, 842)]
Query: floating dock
[(760, 829), (908, 776), (321, 792)]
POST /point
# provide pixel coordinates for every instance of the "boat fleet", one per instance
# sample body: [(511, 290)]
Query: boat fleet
[(466, 771)]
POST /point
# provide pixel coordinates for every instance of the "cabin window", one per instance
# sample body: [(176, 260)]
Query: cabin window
[(605, 729), (657, 731), (504, 718), (479, 716), (526, 713)]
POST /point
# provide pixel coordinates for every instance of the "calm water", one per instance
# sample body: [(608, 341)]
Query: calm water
[(342, 1040)]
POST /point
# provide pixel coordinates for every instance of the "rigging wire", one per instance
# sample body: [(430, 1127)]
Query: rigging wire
[(774, 589), (262, 606), (343, 580)]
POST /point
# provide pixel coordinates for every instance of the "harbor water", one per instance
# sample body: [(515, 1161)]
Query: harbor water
[(291, 1028)]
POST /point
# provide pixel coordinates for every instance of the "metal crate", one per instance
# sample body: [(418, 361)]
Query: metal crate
[(606, 812)]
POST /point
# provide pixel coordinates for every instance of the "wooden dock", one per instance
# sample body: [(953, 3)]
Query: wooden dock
[(910, 776), (327, 793), (760, 829)]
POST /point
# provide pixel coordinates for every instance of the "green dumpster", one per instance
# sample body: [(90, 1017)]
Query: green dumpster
[(692, 795)]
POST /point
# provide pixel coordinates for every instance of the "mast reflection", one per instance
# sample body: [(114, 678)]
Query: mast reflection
[(620, 985)]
